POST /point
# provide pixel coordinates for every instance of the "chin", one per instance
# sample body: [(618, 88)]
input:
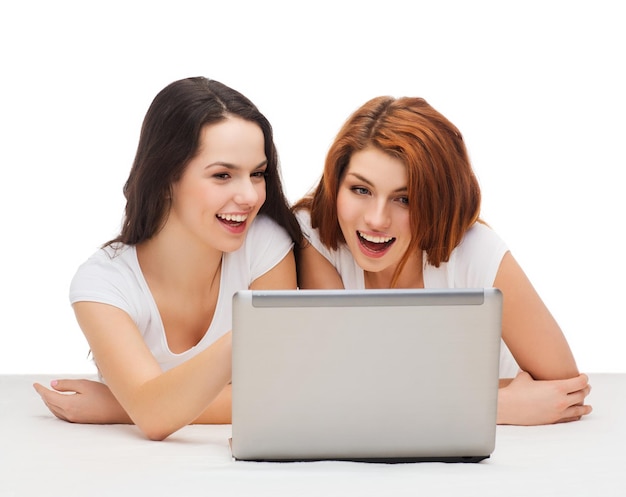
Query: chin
[(231, 247)]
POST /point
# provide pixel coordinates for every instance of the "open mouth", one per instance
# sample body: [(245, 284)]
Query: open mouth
[(232, 220), (375, 243)]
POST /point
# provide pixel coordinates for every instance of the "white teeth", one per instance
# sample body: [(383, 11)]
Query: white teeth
[(375, 239), (238, 218)]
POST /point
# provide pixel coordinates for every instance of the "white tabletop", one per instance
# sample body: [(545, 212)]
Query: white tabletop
[(40, 455)]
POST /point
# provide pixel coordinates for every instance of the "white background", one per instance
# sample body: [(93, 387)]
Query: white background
[(536, 87)]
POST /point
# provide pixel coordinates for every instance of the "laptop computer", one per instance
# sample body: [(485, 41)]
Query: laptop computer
[(396, 375)]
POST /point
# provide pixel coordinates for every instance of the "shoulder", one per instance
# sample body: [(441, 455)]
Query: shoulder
[(479, 255), (108, 275), (108, 261), (481, 239), (304, 219), (303, 215), (341, 258), (473, 263), (310, 234)]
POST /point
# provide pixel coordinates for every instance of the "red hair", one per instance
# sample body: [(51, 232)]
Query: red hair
[(444, 195)]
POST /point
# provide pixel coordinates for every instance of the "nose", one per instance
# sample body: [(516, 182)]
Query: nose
[(246, 194), (377, 215)]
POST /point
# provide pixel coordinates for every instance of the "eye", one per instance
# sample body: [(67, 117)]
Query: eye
[(221, 176), (360, 190), (259, 174), (403, 200)]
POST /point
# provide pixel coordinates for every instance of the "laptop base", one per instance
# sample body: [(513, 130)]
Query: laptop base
[(375, 460)]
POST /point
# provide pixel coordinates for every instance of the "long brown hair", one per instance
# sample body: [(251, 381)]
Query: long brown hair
[(444, 195), (169, 139)]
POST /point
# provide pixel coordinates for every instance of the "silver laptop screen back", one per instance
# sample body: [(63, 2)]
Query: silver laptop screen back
[(372, 374)]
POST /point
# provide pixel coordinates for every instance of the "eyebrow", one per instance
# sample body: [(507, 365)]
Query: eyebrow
[(402, 189), (231, 166)]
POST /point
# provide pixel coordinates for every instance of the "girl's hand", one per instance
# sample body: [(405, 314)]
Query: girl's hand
[(526, 401), (82, 401)]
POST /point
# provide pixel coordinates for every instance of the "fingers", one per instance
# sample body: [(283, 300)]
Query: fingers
[(579, 388), (39, 388), (577, 383), (51, 399), (67, 385), (578, 397), (574, 413)]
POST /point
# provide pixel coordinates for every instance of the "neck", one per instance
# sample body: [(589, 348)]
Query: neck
[(179, 264), (411, 276)]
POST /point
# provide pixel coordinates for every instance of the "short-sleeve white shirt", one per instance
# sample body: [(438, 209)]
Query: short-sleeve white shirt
[(473, 263), (114, 277)]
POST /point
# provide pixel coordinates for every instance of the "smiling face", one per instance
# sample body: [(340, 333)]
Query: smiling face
[(373, 211), (222, 187)]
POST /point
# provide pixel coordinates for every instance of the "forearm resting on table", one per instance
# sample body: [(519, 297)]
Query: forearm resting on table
[(218, 412), (164, 407)]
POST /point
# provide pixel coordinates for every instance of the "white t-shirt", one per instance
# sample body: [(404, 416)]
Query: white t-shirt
[(473, 263), (114, 277)]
